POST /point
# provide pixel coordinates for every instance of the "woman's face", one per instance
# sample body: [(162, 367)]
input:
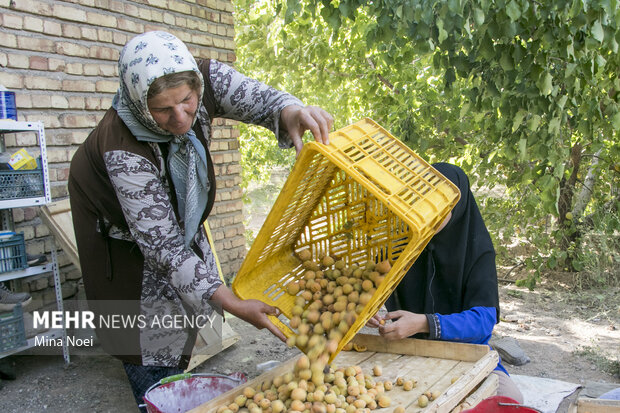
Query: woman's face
[(174, 109)]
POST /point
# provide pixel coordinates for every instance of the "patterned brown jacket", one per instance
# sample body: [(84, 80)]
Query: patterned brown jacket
[(129, 236)]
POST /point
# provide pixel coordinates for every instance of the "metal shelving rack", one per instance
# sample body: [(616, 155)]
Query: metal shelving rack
[(6, 217)]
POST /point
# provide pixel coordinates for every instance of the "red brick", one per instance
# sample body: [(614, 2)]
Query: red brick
[(12, 21), (23, 100), (130, 9), (118, 7), (38, 63), (179, 7), (18, 61), (76, 102), (89, 33), (78, 86), (31, 6), (150, 15), (130, 25), (104, 35), (62, 174), (56, 65), (102, 4), (72, 31), (42, 83), (104, 53), (68, 13), (72, 49), (52, 28), (106, 86), (120, 38), (106, 20), (42, 101), (30, 213), (8, 40), (35, 43)]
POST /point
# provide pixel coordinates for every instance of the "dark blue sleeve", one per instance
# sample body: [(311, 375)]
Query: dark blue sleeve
[(471, 326)]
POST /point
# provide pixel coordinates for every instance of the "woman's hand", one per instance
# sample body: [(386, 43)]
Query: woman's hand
[(404, 324), (375, 321), (253, 311), (296, 120)]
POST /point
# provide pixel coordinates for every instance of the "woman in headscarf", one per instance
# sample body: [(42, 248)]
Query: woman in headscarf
[(450, 293), (142, 184)]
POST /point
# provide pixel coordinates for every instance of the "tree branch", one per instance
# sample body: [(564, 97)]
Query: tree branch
[(585, 194), (381, 78)]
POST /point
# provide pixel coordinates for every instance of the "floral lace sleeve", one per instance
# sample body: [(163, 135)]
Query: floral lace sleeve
[(152, 223), (250, 101)]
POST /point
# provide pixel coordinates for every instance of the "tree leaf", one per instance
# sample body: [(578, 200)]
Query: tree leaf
[(554, 126), (597, 31), (545, 85), (613, 45), (454, 6), (562, 102), (518, 119), (478, 16), (443, 34), (467, 27), (344, 8), (486, 48), (615, 121), (533, 122), (506, 62), (293, 8), (523, 148), (449, 78), (513, 10), (464, 110), (570, 49), (563, 58), (399, 11)]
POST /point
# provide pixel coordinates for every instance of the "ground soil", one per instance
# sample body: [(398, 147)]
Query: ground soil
[(568, 334)]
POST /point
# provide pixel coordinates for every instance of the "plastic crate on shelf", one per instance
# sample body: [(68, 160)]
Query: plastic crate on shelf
[(12, 252), (22, 183), (12, 333), (365, 196)]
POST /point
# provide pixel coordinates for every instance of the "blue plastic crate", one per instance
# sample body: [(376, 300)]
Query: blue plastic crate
[(12, 332), (12, 252)]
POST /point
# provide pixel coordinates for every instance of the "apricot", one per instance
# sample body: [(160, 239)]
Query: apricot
[(423, 401), (292, 288), (327, 261), (383, 267), (249, 392), (384, 401), (304, 255)]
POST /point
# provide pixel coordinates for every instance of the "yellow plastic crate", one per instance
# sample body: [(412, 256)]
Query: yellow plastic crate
[(365, 196)]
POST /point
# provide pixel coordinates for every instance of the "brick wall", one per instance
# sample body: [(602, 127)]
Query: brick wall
[(60, 58)]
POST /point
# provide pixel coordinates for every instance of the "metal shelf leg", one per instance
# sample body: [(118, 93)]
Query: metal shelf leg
[(59, 303)]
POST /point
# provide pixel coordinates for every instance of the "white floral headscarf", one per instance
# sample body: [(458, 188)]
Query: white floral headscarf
[(145, 58)]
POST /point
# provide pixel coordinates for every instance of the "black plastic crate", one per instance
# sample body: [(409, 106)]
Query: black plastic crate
[(22, 183)]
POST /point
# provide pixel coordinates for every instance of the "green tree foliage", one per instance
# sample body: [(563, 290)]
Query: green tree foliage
[(522, 94)]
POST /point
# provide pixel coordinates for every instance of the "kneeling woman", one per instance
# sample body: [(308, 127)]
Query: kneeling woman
[(450, 293)]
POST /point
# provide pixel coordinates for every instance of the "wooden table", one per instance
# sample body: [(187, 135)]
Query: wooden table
[(433, 364)]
